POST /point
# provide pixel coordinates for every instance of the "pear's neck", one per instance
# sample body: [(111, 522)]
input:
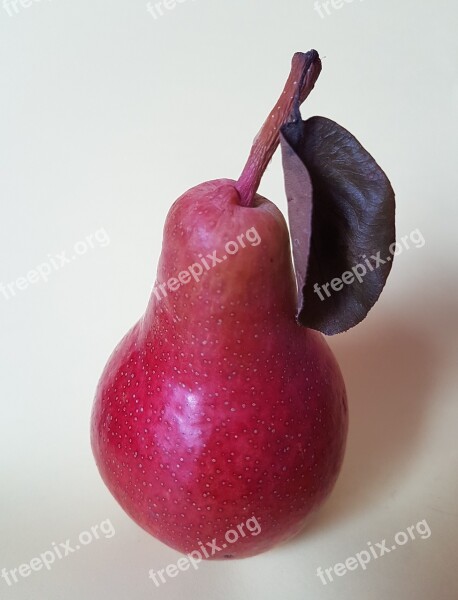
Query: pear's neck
[(224, 303), (218, 328), (222, 265)]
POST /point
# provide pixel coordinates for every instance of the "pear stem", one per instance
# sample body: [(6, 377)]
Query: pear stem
[(305, 69)]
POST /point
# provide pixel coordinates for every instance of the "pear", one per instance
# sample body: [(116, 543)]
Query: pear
[(218, 409)]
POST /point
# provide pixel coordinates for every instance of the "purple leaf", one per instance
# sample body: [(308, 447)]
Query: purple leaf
[(341, 212)]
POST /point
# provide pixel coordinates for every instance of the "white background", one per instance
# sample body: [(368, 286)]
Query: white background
[(106, 116)]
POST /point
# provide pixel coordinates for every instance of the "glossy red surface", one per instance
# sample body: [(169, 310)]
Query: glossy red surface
[(216, 406)]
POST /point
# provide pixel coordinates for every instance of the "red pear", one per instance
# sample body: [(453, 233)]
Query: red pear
[(217, 406)]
